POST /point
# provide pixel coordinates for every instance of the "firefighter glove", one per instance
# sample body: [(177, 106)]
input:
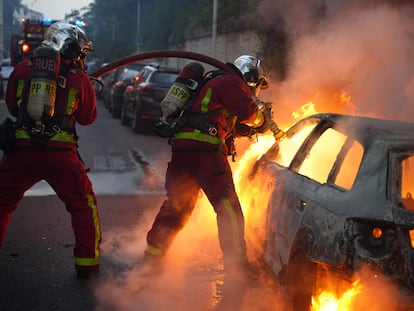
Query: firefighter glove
[(266, 109), (244, 130)]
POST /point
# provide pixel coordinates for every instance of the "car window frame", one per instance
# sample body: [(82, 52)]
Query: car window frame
[(309, 142), (394, 174)]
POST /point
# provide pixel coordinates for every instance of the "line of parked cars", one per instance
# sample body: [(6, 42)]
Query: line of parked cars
[(5, 69), (133, 94)]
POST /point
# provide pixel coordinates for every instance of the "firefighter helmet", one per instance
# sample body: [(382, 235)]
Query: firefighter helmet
[(70, 40), (253, 71)]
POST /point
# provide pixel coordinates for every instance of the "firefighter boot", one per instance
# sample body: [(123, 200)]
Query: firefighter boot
[(87, 272)]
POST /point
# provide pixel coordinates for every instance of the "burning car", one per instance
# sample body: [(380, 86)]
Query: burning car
[(339, 198)]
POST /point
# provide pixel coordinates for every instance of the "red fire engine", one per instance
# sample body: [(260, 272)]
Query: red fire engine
[(22, 46)]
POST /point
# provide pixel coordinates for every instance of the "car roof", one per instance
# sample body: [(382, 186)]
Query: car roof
[(364, 127), (162, 69)]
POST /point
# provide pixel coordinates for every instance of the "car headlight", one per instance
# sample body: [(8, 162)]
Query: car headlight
[(375, 240)]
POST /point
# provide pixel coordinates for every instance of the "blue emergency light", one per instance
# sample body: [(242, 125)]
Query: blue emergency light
[(80, 23), (47, 21)]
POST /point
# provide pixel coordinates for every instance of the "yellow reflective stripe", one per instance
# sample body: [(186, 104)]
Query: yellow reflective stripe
[(256, 121), (92, 261), (20, 86), (234, 224), (87, 261), (61, 136), (153, 250), (71, 101), (205, 101), (21, 134), (91, 203), (197, 135)]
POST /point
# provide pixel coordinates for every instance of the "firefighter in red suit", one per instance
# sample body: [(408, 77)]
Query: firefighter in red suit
[(199, 161), (47, 149)]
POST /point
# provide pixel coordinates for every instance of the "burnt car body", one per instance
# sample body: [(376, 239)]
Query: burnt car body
[(339, 200), (141, 103)]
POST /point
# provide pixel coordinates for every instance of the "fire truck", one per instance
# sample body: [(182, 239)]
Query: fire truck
[(33, 31), (22, 46)]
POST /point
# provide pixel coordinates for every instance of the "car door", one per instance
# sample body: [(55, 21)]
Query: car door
[(304, 189), (287, 202)]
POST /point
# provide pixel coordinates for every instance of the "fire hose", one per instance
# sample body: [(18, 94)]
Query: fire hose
[(161, 54), (180, 54)]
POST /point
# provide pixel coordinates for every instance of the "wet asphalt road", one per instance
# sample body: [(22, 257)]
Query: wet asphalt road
[(36, 265), (127, 170), (36, 262)]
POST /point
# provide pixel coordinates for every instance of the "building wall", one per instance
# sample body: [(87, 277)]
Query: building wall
[(228, 46)]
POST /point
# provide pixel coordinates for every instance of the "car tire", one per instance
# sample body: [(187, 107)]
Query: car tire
[(125, 120), (137, 124), (116, 111), (300, 281)]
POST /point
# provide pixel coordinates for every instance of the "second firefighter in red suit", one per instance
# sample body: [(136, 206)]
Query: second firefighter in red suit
[(200, 162), (46, 149)]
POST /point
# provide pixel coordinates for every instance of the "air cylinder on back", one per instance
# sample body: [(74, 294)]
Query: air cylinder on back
[(43, 84), (182, 89)]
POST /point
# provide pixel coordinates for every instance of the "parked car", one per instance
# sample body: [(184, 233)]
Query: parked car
[(5, 70), (111, 78), (3, 86), (141, 105), (126, 77), (340, 197)]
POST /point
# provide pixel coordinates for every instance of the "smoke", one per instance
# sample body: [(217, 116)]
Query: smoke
[(363, 50), (360, 48), (191, 276), (392, 299)]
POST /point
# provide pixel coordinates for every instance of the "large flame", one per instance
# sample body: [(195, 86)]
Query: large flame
[(327, 300)]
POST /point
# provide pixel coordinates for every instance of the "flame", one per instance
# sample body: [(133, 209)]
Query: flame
[(304, 111), (254, 197), (328, 301), (251, 193), (329, 101)]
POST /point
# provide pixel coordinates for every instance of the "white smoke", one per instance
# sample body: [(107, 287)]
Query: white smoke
[(192, 276), (365, 51), (364, 48)]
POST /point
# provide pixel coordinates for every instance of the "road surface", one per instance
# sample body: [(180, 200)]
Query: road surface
[(127, 170)]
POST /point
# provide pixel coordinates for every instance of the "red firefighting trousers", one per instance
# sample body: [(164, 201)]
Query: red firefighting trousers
[(187, 173), (66, 174)]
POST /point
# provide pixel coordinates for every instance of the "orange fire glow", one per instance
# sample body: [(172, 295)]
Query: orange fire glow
[(255, 195), (327, 300), (305, 110)]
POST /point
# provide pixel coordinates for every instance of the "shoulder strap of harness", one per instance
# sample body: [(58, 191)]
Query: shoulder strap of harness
[(200, 120)]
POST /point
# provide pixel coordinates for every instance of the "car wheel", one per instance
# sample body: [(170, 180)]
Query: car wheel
[(300, 281), (110, 104), (137, 123), (125, 120), (116, 110)]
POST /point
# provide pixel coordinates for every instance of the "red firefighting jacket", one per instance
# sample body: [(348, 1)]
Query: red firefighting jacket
[(225, 99), (77, 99)]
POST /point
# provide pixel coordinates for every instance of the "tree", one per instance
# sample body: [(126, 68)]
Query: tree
[(166, 24), (114, 28)]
